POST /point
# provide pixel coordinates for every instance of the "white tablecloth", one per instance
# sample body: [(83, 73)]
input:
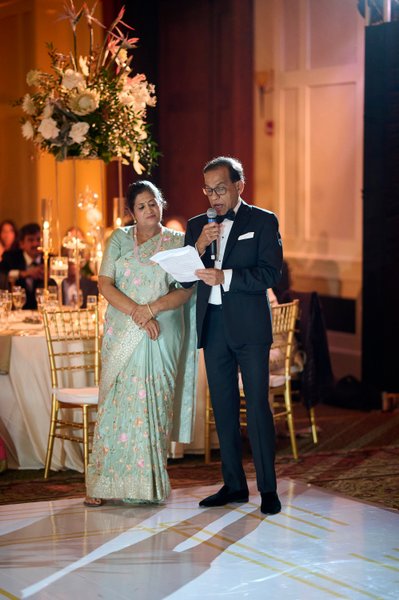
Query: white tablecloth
[(25, 401)]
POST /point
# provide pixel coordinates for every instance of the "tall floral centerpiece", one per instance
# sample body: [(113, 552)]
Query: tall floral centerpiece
[(91, 105)]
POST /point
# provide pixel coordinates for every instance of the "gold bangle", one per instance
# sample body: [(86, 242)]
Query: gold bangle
[(151, 313)]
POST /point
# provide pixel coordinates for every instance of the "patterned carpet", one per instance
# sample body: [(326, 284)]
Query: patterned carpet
[(357, 455)]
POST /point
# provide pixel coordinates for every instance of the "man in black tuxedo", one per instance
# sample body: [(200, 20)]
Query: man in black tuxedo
[(234, 325), (24, 266)]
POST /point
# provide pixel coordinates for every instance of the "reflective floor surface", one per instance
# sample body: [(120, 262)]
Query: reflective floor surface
[(319, 546)]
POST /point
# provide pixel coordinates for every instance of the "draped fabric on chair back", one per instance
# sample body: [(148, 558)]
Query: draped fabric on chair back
[(317, 380)]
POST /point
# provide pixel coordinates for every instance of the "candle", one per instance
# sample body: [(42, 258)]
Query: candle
[(46, 235)]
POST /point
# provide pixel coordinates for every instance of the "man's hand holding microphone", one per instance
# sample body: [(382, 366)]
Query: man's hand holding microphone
[(209, 236)]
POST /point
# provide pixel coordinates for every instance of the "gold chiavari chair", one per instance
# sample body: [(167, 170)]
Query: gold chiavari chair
[(284, 317), (73, 346)]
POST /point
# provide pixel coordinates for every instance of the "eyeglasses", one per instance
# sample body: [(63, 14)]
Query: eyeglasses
[(219, 190)]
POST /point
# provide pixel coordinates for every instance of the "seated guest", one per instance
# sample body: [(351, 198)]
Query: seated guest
[(8, 237), (24, 266), (69, 291)]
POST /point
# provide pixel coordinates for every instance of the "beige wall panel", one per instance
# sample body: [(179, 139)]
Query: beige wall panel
[(332, 26), (332, 163), (263, 112), (291, 42), (290, 162)]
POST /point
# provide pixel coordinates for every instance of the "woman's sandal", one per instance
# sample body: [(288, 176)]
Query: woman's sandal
[(93, 502)]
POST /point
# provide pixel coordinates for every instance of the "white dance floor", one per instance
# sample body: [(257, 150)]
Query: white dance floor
[(320, 546)]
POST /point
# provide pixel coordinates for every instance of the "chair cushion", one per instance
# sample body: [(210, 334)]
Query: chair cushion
[(277, 380), (85, 395)]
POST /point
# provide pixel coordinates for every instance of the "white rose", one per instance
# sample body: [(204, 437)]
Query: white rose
[(84, 103), (28, 105), (48, 128), (72, 79), (78, 132), (27, 130)]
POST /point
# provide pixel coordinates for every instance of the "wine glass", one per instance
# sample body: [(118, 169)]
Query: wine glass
[(40, 297), (6, 304), (17, 300), (59, 272)]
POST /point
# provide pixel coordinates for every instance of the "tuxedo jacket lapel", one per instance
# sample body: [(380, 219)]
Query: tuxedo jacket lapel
[(239, 224)]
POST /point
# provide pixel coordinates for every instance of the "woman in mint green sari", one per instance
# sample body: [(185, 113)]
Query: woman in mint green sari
[(149, 358)]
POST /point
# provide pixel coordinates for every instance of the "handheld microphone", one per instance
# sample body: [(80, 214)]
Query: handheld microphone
[(212, 214)]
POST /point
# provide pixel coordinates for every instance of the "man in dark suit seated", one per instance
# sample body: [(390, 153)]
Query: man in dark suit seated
[(87, 286), (234, 325), (24, 266)]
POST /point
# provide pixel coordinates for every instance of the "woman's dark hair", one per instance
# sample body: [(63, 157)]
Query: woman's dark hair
[(14, 245), (138, 187), (234, 166)]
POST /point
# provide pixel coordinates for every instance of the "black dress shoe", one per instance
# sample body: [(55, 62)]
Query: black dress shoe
[(224, 496), (271, 504)]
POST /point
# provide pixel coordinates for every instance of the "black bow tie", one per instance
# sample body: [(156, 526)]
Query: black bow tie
[(229, 215)]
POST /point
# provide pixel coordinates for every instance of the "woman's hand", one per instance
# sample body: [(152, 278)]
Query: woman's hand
[(141, 315), (152, 329)]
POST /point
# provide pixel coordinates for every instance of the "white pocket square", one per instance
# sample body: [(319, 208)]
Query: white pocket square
[(247, 236)]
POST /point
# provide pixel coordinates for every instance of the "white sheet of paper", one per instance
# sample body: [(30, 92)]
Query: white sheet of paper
[(181, 263)]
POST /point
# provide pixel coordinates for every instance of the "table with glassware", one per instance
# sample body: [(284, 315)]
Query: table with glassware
[(25, 398)]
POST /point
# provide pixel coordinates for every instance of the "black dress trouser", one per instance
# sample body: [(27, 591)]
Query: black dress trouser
[(222, 359)]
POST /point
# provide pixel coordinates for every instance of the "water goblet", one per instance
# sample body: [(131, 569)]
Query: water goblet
[(6, 304), (17, 300), (59, 272), (40, 297)]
